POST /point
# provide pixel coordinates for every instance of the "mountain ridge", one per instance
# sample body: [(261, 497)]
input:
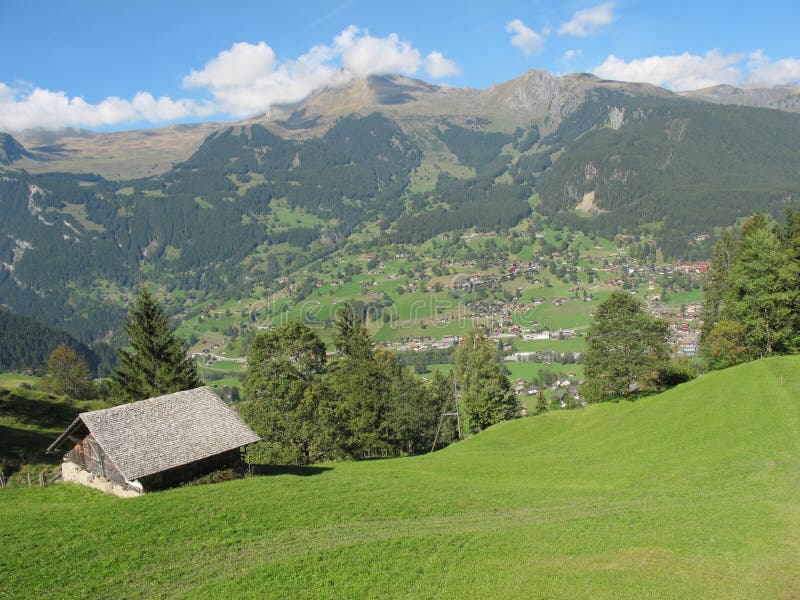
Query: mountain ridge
[(781, 98), (536, 96)]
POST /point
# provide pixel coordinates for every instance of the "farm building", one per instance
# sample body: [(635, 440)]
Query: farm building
[(153, 443)]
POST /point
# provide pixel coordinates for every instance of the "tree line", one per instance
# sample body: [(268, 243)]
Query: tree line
[(360, 402), (27, 344), (306, 405), (752, 299)]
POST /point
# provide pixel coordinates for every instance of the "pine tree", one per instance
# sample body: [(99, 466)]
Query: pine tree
[(541, 403), (351, 337), (719, 269), (760, 294), (157, 363)]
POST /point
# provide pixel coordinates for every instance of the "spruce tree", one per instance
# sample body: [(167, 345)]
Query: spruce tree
[(157, 363), (351, 336), (760, 293), (716, 288), (541, 403)]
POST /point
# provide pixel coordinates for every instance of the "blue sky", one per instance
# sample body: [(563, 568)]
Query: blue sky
[(108, 65)]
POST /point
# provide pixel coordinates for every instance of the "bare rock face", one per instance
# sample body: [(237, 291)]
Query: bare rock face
[(786, 99), (540, 95), (616, 117), (11, 149)]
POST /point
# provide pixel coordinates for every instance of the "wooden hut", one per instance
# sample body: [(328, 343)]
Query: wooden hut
[(153, 443)]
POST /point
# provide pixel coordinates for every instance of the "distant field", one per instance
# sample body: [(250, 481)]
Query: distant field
[(13, 380), (530, 371), (226, 365), (690, 494)]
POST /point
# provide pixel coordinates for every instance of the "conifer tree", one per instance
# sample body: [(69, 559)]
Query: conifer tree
[(760, 291), (351, 337), (157, 363), (719, 269), (752, 299), (541, 403)]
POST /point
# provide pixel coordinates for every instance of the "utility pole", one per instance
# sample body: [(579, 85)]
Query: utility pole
[(445, 413)]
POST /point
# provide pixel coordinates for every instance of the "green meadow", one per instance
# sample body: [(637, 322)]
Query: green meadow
[(692, 493), (29, 421), (529, 371)]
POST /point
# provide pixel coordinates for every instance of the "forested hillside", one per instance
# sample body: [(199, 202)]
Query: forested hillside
[(11, 149), (250, 207), (691, 167), (27, 344)]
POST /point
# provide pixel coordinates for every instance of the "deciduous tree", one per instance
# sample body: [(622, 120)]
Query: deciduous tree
[(285, 395), (626, 349), (486, 391), (69, 374), (724, 346)]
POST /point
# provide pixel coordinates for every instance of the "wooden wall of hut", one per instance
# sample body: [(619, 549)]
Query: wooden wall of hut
[(90, 456), (172, 477)]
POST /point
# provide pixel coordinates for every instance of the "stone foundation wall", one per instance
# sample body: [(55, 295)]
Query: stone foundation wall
[(75, 474)]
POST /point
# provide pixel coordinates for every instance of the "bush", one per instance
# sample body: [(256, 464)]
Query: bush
[(214, 477), (679, 370)]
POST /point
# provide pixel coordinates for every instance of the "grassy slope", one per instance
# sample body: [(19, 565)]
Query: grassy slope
[(689, 494), (29, 421)]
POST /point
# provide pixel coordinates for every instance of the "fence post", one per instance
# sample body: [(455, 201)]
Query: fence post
[(41, 479), (29, 479), (2, 479)]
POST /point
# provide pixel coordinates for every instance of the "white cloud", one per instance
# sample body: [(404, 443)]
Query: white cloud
[(679, 72), (586, 21), (438, 67), (247, 79), (525, 38), (570, 55), (368, 55), (26, 108), (238, 66), (767, 73)]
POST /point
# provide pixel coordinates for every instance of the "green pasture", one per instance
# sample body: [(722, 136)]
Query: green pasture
[(689, 494)]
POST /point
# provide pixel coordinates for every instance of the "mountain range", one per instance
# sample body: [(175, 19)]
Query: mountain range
[(536, 96), (219, 209)]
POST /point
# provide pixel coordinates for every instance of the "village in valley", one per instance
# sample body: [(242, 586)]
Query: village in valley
[(533, 291)]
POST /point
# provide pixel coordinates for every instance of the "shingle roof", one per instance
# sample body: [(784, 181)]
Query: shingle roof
[(160, 433)]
